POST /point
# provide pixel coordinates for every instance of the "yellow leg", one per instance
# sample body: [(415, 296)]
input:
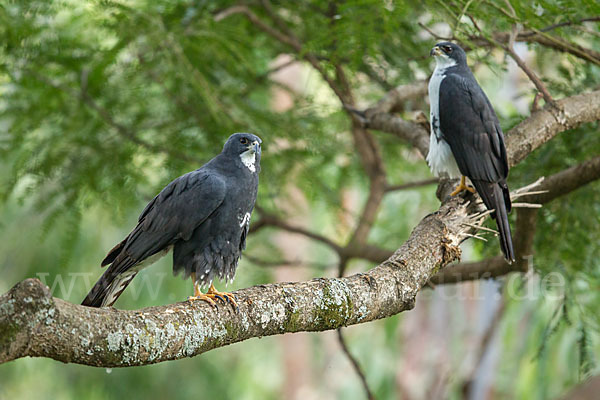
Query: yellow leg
[(211, 295), (198, 295), (462, 186)]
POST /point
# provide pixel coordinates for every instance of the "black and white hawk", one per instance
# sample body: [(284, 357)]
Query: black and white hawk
[(203, 216), (466, 138)]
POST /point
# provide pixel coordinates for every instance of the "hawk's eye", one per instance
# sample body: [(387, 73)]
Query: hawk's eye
[(448, 49), (244, 140)]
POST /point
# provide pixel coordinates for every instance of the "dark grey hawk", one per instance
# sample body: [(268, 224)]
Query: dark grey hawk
[(466, 138), (203, 216)]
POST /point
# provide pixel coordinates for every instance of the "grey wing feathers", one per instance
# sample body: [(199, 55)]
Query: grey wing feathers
[(471, 128), (184, 204), (173, 214)]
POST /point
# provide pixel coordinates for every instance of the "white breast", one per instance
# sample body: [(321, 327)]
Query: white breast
[(440, 158)]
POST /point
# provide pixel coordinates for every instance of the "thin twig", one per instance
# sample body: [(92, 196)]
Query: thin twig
[(511, 50), (181, 103), (526, 188), (508, 48), (286, 263), (342, 267), (517, 195), (537, 82), (410, 185), (287, 39), (435, 35), (526, 205), (357, 368), (267, 219), (482, 214), (569, 23), (474, 236), (479, 227)]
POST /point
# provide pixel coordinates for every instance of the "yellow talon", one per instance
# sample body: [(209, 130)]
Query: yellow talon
[(461, 187), (204, 297), (225, 296), (211, 295)]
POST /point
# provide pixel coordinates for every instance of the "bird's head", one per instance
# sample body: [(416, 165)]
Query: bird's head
[(447, 54), (246, 146)]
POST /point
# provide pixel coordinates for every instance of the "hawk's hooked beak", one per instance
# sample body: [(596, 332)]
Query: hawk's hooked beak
[(255, 146), (436, 51)]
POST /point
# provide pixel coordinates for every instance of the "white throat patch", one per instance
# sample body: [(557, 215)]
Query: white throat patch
[(249, 159), (443, 62)]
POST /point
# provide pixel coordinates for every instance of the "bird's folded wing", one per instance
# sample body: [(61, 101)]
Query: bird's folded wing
[(172, 215), (471, 128)]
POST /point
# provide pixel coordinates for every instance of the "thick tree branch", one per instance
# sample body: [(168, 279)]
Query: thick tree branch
[(414, 133), (566, 181), (394, 100), (32, 323), (543, 125)]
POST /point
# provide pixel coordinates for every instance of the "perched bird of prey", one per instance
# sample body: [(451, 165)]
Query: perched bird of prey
[(203, 216), (466, 138)]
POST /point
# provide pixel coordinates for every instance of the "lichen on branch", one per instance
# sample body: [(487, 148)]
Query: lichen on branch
[(33, 323)]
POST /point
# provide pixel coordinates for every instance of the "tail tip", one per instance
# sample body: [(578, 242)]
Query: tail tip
[(508, 250)]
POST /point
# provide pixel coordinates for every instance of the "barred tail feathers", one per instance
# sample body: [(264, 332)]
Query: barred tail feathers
[(108, 288)]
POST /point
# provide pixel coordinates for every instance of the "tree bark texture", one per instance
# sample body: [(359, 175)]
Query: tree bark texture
[(33, 323)]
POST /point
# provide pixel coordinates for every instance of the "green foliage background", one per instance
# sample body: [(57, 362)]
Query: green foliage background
[(102, 103)]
